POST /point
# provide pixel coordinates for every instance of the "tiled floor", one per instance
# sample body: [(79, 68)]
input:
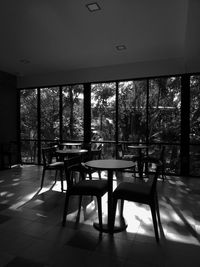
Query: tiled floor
[(31, 233)]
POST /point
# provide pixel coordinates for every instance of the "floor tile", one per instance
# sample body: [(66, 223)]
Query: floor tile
[(4, 218), (22, 262)]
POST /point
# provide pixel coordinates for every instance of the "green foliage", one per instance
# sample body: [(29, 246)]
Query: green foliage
[(28, 113), (195, 108), (163, 110)]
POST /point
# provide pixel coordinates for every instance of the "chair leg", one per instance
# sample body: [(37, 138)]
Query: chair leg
[(56, 175), (80, 202), (153, 212), (99, 172), (61, 179), (121, 207), (65, 209), (114, 212), (157, 208), (42, 181), (134, 172), (90, 175), (99, 211), (163, 172)]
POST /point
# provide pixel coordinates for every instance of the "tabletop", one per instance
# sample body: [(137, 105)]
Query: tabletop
[(138, 146), (71, 151), (110, 164), (71, 144)]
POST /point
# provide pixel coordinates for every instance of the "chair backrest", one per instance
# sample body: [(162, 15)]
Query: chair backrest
[(120, 152), (48, 153), (53, 144), (96, 154), (157, 152), (71, 166)]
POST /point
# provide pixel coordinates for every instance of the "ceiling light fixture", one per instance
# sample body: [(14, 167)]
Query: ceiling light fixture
[(93, 7), (120, 47)]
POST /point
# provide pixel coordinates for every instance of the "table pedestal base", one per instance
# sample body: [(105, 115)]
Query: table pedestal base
[(120, 225)]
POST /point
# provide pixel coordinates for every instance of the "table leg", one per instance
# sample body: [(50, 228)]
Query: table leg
[(140, 165), (108, 227), (110, 201)]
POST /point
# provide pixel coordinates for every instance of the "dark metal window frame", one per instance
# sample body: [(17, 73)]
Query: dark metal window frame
[(185, 113)]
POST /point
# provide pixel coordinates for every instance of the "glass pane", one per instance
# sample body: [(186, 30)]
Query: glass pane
[(194, 125), (73, 112), (28, 114), (29, 151), (103, 116), (195, 109), (172, 159), (28, 124), (132, 111), (108, 150), (50, 124), (164, 109), (103, 119)]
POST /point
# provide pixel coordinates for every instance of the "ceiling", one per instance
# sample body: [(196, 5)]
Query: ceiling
[(48, 36)]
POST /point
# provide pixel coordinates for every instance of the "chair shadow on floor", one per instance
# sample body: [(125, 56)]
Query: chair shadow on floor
[(46, 200), (42, 195)]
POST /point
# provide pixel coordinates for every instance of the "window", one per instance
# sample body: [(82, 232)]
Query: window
[(132, 99), (72, 110), (194, 125), (50, 124), (165, 117), (103, 115), (132, 111), (28, 125)]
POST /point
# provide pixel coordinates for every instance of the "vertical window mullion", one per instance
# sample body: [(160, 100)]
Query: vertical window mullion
[(87, 114), (185, 124), (61, 113), (39, 124), (117, 117), (147, 114)]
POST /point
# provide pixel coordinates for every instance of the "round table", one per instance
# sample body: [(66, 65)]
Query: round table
[(110, 165), (73, 151), (71, 145)]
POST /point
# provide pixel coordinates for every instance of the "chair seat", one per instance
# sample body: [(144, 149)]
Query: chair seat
[(132, 191), (127, 157), (56, 164), (89, 187)]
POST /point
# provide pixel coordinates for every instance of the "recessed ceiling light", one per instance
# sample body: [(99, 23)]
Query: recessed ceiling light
[(121, 47), (93, 7)]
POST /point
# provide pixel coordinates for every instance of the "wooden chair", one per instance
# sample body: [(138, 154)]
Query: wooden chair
[(144, 193), (125, 156), (156, 158), (50, 163), (84, 187), (93, 154)]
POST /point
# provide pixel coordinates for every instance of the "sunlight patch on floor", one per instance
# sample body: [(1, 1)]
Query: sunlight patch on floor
[(2, 194), (17, 206), (187, 239)]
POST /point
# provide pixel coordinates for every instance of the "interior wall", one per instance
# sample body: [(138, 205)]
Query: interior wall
[(107, 73), (8, 107), (192, 40)]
